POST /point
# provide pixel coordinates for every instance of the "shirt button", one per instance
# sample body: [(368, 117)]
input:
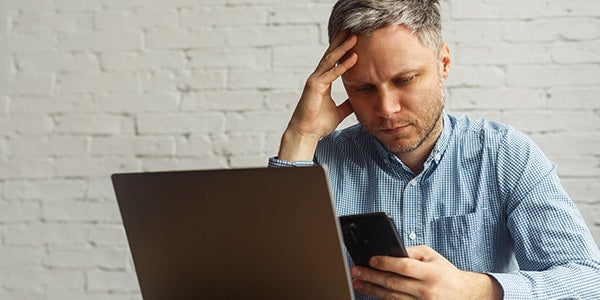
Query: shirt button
[(438, 157), (413, 182), (412, 236)]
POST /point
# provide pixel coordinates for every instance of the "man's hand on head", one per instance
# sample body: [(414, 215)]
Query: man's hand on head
[(317, 114), (425, 275)]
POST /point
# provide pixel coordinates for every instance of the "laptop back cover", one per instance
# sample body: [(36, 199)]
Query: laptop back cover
[(265, 233)]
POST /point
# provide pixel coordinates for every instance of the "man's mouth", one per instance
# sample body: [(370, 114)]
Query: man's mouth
[(394, 130)]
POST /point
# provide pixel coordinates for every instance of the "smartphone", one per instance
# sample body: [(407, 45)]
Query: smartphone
[(371, 234)]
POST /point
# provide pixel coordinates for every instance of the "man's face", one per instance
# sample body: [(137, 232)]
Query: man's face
[(396, 90)]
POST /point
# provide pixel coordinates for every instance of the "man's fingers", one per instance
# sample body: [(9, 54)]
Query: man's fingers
[(337, 71), (421, 252), (333, 56), (407, 267), (378, 291)]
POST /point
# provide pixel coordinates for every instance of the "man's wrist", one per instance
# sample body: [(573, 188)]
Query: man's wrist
[(485, 287), (297, 147)]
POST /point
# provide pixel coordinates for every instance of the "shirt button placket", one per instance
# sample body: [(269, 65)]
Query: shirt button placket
[(412, 212)]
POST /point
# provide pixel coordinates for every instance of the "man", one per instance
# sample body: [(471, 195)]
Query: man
[(479, 206)]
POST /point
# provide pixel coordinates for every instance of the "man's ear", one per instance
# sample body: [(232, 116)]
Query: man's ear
[(444, 59)]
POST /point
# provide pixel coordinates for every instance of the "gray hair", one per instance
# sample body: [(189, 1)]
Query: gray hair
[(363, 17)]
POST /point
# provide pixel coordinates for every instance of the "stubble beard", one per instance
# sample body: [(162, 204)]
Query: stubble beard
[(424, 134)]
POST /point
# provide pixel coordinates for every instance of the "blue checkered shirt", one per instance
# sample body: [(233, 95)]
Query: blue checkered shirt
[(488, 200)]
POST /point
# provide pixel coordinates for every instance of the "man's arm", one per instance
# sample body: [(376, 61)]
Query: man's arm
[(316, 114), (557, 256)]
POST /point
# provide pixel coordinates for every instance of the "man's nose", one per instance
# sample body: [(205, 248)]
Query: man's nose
[(388, 103)]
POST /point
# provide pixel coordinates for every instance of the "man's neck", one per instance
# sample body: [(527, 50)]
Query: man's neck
[(415, 159)]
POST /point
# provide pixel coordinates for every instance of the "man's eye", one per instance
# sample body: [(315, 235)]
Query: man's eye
[(404, 81), (364, 89)]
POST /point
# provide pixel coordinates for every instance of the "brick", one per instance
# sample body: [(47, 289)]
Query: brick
[(108, 236), (472, 9), (78, 6), (32, 42), (116, 281), (136, 145), (27, 168), (550, 121), (53, 62), (496, 98), (96, 83), (188, 81), (552, 76), (51, 22), (106, 259), (19, 212), (147, 60), (47, 190), (208, 16), (577, 166), (244, 57), (78, 211), (576, 52), (476, 76), (201, 80), (184, 163), (530, 31), (503, 54), (24, 105), (583, 190), (25, 124), (44, 280), (99, 41), (27, 146), (194, 145), (100, 166), (179, 39), (238, 144), (558, 8), (135, 103), (223, 101), (573, 143), (100, 187), (265, 79), (283, 101), (248, 161), (257, 122), (488, 31), (578, 29), (93, 124), (141, 18), (38, 234), (29, 5), (272, 35), (154, 4), (16, 258), (297, 56), (574, 97), (31, 85), (299, 13), (178, 123)]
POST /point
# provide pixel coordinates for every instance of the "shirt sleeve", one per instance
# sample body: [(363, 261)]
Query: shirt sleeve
[(557, 256), (274, 162)]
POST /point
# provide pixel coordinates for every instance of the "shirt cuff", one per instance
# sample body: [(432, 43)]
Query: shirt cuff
[(274, 162), (514, 285)]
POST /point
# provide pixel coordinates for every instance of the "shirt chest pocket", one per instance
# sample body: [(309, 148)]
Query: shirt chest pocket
[(464, 239)]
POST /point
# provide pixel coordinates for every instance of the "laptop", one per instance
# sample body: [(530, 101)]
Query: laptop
[(260, 233)]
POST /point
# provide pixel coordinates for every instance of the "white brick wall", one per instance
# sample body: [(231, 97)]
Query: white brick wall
[(89, 88)]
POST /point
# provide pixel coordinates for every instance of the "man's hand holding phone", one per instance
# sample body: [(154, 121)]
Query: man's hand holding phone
[(316, 114)]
